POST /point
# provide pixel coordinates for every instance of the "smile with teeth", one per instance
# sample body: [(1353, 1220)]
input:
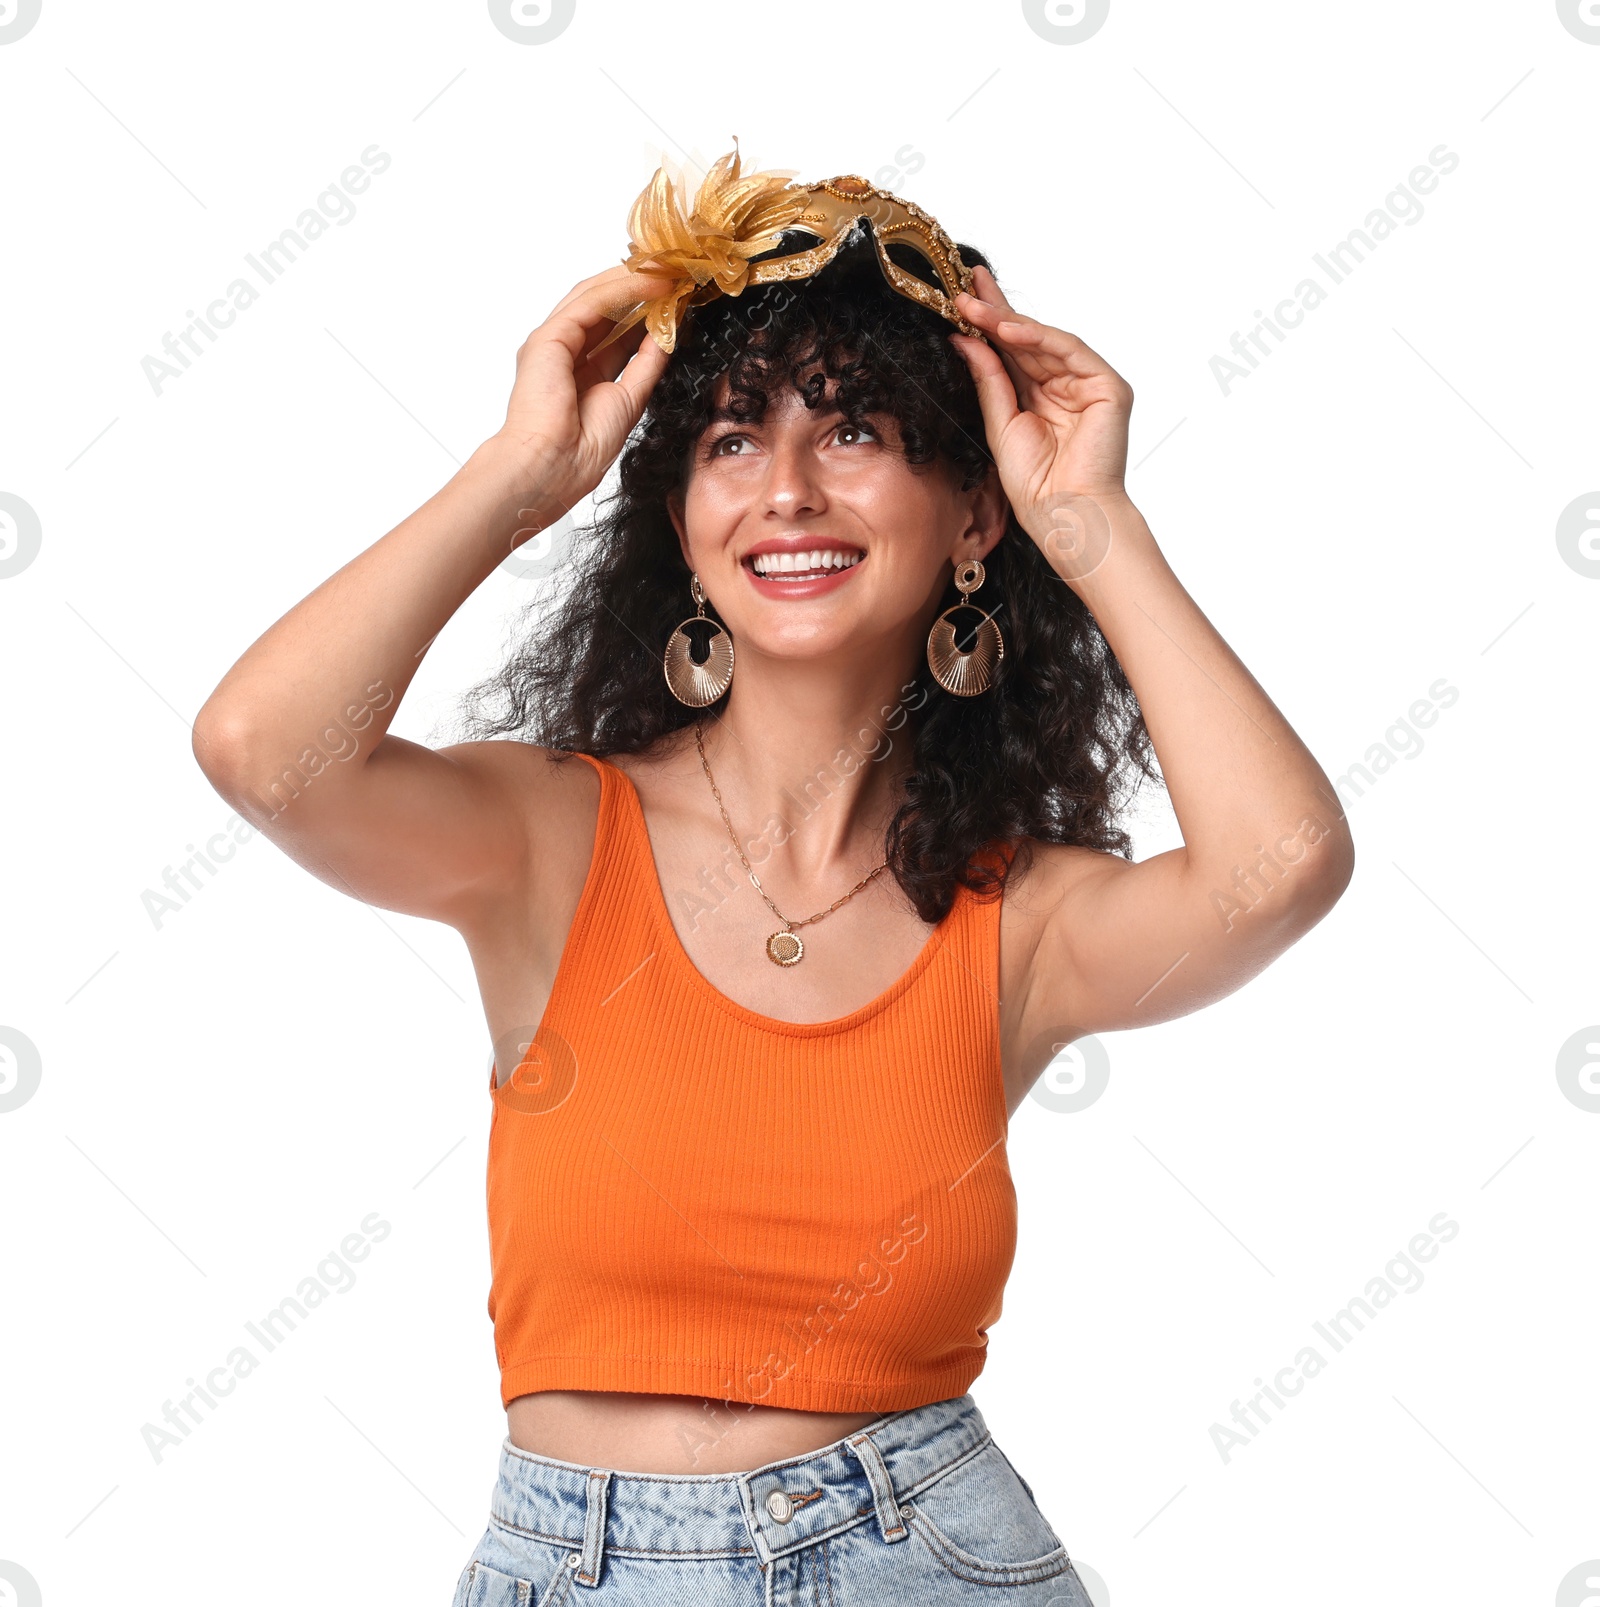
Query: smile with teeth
[(803, 565)]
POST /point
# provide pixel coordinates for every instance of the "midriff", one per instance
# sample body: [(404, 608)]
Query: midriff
[(628, 1432)]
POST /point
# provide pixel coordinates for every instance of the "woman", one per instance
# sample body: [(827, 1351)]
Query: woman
[(750, 1215)]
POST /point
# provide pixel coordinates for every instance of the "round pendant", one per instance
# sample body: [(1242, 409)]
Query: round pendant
[(784, 948)]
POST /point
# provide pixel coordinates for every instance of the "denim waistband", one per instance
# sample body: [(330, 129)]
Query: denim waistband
[(771, 1510)]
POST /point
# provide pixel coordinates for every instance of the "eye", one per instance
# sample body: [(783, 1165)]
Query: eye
[(715, 449), (858, 429)]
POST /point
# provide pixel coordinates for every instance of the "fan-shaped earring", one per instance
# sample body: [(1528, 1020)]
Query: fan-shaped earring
[(965, 674), (691, 683)]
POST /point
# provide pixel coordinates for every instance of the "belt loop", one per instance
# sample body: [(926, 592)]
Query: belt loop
[(594, 1528), (888, 1504)]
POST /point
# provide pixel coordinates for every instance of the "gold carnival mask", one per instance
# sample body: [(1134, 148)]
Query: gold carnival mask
[(707, 249)]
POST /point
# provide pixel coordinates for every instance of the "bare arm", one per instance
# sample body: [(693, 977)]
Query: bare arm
[(1266, 848), (296, 735)]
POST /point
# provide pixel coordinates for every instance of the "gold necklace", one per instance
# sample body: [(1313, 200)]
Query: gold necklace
[(783, 948)]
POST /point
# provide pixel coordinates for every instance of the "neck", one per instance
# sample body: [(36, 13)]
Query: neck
[(809, 776)]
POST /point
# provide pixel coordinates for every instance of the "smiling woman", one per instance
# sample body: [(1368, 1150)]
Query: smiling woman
[(856, 396), (750, 1213)]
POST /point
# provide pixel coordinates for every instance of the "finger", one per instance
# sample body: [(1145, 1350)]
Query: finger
[(986, 289), (599, 367), (1041, 354), (603, 295), (544, 365), (559, 349), (1026, 357), (582, 285), (991, 315), (989, 288), (1018, 331), (986, 298), (647, 364), (605, 276), (997, 397), (555, 360), (1071, 353), (608, 412), (608, 297), (606, 367), (988, 318)]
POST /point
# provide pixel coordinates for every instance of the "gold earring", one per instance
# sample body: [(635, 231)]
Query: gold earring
[(965, 674), (691, 683)]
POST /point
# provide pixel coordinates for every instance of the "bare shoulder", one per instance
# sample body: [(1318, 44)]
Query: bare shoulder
[(550, 803), (1051, 874), (1044, 895), (1055, 868), (518, 768), (668, 779)]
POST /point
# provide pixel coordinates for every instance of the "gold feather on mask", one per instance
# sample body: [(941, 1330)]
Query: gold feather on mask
[(733, 219)]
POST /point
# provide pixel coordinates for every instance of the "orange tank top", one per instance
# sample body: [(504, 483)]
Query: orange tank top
[(686, 1197)]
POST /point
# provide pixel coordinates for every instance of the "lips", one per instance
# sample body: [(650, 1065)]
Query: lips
[(796, 570), (801, 561)]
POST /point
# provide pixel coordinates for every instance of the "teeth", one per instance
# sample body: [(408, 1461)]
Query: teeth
[(792, 563)]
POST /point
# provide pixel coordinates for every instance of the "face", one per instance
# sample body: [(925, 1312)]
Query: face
[(811, 534)]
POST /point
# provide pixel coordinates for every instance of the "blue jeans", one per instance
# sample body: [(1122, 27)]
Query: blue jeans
[(920, 1506)]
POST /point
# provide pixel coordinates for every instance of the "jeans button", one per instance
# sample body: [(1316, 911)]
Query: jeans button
[(780, 1506)]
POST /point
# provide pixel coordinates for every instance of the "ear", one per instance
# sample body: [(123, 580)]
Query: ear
[(990, 511), (675, 514)]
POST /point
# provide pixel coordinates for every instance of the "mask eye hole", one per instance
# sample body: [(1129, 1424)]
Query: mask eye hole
[(913, 261), (791, 242)]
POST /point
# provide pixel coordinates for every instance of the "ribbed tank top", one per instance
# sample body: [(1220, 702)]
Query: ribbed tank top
[(686, 1197)]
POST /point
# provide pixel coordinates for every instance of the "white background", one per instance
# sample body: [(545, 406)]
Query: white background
[(224, 1097)]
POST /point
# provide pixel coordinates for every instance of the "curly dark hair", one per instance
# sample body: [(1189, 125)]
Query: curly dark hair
[(1054, 750)]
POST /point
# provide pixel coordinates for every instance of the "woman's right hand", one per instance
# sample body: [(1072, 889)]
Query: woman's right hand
[(571, 409)]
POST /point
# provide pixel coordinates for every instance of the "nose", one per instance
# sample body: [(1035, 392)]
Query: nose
[(793, 485)]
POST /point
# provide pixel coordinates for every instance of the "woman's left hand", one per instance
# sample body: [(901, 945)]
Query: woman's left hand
[(1055, 412)]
